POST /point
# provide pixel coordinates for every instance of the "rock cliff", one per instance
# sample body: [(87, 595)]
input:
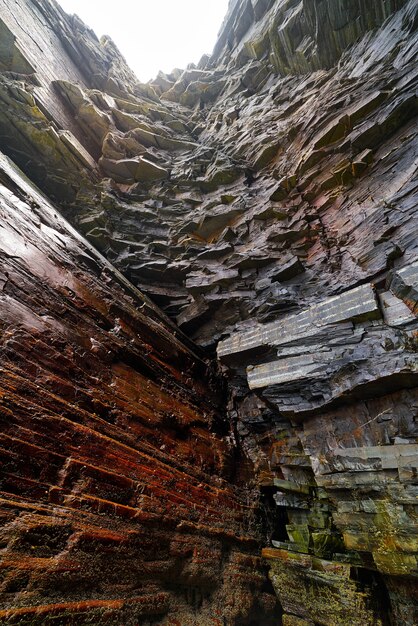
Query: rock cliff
[(258, 211)]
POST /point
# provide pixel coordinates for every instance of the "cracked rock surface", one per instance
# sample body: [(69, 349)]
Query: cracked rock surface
[(264, 203)]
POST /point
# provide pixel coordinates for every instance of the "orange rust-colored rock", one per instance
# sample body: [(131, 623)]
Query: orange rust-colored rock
[(266, 201), (116, 500)]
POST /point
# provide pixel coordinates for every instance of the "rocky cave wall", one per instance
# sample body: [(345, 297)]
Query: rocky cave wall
[(119, 500), (265, 200)]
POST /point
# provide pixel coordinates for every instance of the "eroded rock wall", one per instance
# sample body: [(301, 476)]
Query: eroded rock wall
[(266, 200), (117, 495)]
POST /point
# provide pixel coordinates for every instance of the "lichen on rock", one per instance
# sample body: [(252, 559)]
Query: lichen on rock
[(209, 297)]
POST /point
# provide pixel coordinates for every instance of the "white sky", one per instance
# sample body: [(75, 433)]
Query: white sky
[(154, 35)]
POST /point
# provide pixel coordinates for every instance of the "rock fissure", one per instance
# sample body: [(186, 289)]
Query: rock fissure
[(208, 322)]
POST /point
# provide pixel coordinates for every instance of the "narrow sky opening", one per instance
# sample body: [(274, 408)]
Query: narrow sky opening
[(154, 35)]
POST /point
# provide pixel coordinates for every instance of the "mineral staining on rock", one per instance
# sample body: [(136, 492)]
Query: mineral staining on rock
[(316, 345), (114, 468), (265, 200)]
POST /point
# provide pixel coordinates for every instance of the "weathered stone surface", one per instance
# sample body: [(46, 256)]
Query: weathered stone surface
[(113, 462), (324, 592), (358, 303), (265, 199)]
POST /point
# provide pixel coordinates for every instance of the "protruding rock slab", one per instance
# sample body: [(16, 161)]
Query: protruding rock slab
[(355, 304)]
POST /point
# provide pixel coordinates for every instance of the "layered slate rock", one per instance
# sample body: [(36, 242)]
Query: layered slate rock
[(266, 200), (114, 463), (239, 188), (340, 347), (343, 471)]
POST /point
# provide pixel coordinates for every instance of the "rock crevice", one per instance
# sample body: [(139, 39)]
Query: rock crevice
[(209, 297)]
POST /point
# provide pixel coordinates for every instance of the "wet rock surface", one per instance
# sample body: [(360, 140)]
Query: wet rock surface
[(265, 200), (114, 447)]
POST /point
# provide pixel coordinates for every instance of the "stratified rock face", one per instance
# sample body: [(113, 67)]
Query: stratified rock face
[(116, 497), (266, 201)]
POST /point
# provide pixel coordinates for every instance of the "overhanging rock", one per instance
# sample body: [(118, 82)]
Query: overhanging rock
[(265, 201)]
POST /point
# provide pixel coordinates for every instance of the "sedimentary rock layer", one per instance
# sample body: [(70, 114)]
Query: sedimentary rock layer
[(114, 468), (265, 199)]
